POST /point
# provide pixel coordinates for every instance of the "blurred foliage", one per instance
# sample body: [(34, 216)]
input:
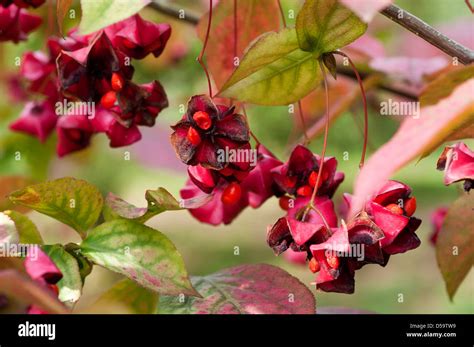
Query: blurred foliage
[(207, 249)]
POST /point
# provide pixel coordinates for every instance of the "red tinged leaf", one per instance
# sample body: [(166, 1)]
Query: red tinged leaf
[(455, 243), (414, 138), (254, 17), (245, 289)]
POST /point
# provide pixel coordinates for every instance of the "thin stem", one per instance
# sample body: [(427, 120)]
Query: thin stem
[(282, 13), (469, 5), (326, 131), (235, 28), (314, 208), (199, 58), (257, 142), (303, 122), (429, 34), (364, 100)]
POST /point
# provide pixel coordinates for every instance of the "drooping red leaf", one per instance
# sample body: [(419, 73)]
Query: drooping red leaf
[(455, 243), (245, 289)]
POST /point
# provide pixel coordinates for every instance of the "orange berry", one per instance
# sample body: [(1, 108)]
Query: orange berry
[(314, 265), (305, 191), (231, 194), (410, 206), (117, 82), (394, 208), (193, 136), (202, 119), (108, 99)]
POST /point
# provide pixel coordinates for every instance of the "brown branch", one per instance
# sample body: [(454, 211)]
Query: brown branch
[(429, 34), (382, 85), (175, 12)]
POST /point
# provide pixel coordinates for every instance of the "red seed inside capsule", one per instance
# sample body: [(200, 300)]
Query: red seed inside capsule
[(193, 136), (394, 208), (410, 206), (305, 191), (202, 120), (314, 265), (231, 194), (117, 82), (108, 99)]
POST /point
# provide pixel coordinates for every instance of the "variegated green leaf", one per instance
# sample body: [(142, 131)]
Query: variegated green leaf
[(323, 26), (70, 285), (74, 202), (141, 253)]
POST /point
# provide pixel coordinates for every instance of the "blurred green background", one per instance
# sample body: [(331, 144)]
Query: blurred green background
[(207, 249)]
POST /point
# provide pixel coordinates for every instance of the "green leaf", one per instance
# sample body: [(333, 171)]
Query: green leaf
[(259, 288), (159, 201), (74, 202), (127, 297), (141, 253), (455, 243), (62, 7), (323, 26), (27, 231), (70, 286), (274, 71), (99, 14)]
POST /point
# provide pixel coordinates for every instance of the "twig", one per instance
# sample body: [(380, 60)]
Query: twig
[(429, 34), (382, 85), (192, 18), (176, 12)]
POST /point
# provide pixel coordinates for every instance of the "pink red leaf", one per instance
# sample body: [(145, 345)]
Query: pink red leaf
[(250, 289), (455, 243)]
